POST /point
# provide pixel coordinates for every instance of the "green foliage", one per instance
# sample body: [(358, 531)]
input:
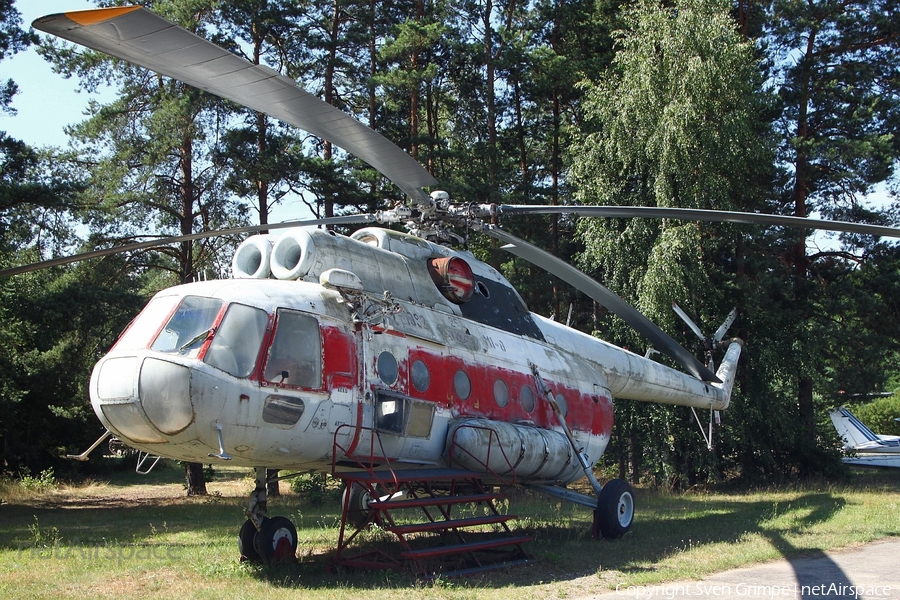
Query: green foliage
[(44, 482), (56, 326), (880, 415), (486, 95), (650, 140), (13, 39), (677, 118), (315, 488), (834, 65)]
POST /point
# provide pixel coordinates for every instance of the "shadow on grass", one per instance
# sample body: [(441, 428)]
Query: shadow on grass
[(561, 550)]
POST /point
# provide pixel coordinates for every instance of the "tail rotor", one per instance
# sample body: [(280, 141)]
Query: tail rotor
[(710, 345)]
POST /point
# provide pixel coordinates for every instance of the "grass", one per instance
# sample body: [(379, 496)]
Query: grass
[(139, 538)]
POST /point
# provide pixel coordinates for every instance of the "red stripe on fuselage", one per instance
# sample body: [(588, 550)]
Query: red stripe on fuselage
[(586, 412)]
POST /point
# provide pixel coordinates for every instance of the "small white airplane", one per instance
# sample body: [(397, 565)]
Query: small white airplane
[(870, 449)]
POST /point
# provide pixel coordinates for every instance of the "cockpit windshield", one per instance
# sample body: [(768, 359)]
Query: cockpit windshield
[(235, 346), (141, 330), (235, 341), (189, 326), (235, 338)]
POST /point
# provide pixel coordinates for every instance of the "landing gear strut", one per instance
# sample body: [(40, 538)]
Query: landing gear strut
[(265, 539)]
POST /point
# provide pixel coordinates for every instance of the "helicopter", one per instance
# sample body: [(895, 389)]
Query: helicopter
[(381, 350)]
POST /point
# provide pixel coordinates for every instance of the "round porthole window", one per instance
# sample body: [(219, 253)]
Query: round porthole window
[(562, 404), (462, 385), (421, 378), (501, 393), (388, 369), (526, 398)]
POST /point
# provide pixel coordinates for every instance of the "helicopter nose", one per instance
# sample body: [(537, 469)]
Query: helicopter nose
[(162, 397), (164, 390)]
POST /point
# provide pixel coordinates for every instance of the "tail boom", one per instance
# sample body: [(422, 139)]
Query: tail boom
[(650, 381)]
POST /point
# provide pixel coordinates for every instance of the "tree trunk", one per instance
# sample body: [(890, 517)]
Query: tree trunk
[(328, 77), (805, 405), (414, 92), (196, 480), (272, 488), (491, 103), (186, 191)]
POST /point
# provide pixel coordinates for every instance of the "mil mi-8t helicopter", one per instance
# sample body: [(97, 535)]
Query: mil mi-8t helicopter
[(382, 349)]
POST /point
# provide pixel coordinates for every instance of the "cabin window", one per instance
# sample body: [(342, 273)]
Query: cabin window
[(562, 404), (421, 378), (189, 326), (389, 414), (283, 410), (461, 385), (501, 393), (235, 345), (526, 398), (388, 369), (296, 355)]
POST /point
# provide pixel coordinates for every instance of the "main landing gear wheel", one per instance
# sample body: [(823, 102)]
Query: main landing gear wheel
[(615, 509), (356, 499), (276, 540)]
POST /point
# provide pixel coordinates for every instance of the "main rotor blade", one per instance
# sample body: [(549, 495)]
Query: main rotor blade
[(145, 39), (697, 214), (165, 241), (661, 340)]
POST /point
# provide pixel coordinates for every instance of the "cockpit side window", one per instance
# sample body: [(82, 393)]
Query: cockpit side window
[(235, 345), (188, 327), (295, 358)]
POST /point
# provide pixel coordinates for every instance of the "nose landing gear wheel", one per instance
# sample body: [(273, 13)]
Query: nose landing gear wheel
[(245, 542), (615, 509), (276, 540)]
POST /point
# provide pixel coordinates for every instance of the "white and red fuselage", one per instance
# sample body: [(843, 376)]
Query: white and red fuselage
[(300, 373)]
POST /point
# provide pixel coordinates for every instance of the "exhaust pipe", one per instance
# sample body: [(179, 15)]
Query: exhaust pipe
[(292, 255), (251, 259)]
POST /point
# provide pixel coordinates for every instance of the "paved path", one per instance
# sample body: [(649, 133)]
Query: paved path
[(870, 572)]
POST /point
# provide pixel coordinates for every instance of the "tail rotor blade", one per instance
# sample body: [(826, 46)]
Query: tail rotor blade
[(723, 328), (688, 321)]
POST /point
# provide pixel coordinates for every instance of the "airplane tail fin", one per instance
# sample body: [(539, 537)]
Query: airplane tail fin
[(850, 428)]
